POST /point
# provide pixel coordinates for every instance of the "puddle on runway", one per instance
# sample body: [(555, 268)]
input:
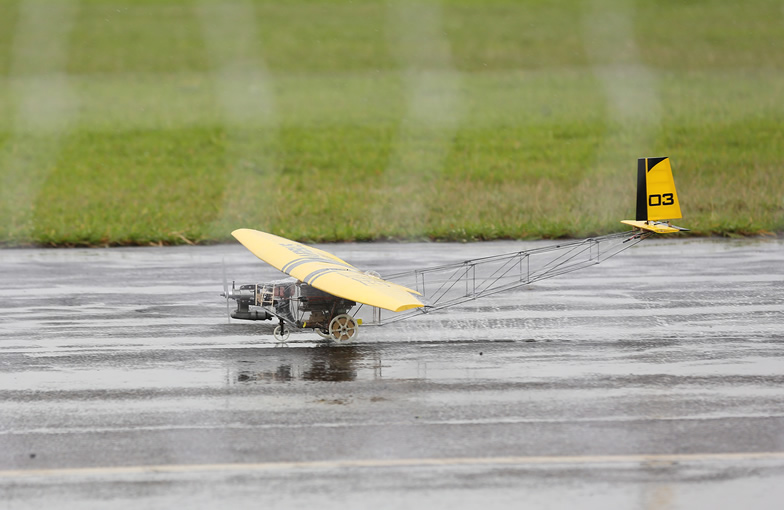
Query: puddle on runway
[(661, 307)]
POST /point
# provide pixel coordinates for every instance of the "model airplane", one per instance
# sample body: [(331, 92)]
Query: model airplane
[(326, 293)]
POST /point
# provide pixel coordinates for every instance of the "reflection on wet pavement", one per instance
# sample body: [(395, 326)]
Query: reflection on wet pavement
[(324, 363)]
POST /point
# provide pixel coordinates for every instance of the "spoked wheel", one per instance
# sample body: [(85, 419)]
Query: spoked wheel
[(343, 328), (281, 333)]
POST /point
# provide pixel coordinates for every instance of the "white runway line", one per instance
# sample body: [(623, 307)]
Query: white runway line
[(565, 460)]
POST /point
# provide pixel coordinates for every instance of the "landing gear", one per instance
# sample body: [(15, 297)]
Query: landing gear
[(343, 328), (281, 333)]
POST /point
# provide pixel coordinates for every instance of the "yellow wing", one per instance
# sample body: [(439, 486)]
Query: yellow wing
[(326, 272)]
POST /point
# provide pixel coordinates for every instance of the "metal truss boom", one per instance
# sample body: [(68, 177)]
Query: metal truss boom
[(451, 284)]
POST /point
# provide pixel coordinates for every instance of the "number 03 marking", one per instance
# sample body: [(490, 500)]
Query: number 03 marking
[(665, 199)]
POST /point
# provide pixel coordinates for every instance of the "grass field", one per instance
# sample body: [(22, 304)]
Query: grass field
[(173, 121)]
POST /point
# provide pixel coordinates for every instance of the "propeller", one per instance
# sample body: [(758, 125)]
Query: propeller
[(226, 291)]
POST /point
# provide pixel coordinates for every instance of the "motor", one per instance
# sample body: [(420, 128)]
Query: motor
[(245, 297)]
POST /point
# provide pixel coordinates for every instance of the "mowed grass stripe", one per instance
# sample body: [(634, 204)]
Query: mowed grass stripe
[(149, 155)]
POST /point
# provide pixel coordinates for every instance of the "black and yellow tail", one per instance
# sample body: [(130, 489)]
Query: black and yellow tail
[(657, 199)]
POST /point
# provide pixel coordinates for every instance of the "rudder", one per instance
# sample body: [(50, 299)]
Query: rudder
[(657, 198)]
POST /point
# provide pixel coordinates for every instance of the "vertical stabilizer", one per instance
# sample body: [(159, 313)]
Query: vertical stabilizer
[(656, 195), (656, 198)]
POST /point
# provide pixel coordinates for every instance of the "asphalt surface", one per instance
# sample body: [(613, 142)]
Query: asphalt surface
[(653, 380)]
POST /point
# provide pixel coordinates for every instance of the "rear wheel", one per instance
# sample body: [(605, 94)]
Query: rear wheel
[(343, 328)]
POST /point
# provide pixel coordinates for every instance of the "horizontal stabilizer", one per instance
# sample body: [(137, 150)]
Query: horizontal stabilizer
[(658, 227)]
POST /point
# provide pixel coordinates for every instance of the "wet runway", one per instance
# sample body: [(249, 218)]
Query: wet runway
[(653, 380)]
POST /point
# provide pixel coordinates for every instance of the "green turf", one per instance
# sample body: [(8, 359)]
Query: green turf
[(339, 120)]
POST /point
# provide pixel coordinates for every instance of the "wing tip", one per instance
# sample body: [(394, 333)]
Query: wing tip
[(408, 306), (237, 233), (241, 230)]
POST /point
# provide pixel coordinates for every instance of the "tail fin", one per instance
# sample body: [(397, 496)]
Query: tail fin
[(656, 195), (657, 198)]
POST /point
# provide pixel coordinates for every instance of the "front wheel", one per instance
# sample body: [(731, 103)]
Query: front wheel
[(343, 328), (281, 333)]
